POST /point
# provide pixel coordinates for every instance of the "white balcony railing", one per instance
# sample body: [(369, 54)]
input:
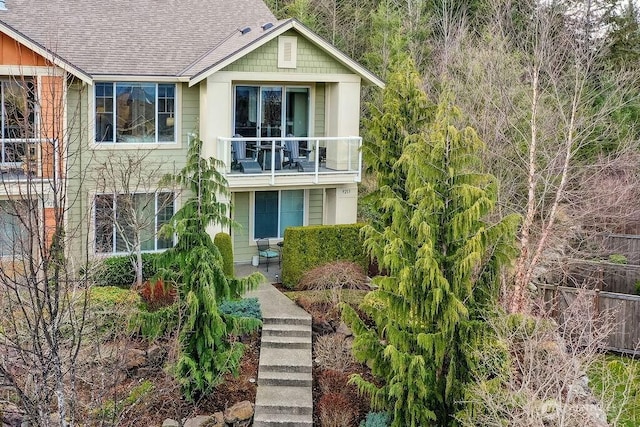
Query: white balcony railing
[(316, 156)]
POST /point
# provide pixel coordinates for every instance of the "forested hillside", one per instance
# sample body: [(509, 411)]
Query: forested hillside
[(552, 88)]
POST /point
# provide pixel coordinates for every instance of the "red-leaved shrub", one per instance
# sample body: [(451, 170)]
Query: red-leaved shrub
[(157, 294), (335, 410)]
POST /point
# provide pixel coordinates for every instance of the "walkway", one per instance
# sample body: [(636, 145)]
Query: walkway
[(284, 396)]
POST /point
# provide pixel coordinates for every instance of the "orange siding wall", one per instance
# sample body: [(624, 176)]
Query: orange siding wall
[(49, 225), (13, 53), (51, 121)]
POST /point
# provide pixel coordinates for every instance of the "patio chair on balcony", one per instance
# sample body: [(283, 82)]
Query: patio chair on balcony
[(240, 160), (265, 251), (292, 154)]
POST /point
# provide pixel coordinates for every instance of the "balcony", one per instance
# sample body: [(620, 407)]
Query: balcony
[(271, 161)]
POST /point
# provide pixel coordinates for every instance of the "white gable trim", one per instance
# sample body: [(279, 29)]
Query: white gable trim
[(308, 34), (46, 54)]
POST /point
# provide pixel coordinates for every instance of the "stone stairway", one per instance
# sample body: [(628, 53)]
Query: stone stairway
[(284, 396)]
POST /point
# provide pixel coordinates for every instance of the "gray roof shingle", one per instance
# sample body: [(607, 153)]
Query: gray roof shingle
[(137, 37)]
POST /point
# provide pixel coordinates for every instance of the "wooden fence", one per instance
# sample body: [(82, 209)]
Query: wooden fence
[(624, 244), (623, 309), (606, 276)]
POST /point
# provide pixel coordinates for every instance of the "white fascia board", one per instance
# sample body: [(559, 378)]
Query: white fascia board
[(45, 53), (134, 78), (310, 35)]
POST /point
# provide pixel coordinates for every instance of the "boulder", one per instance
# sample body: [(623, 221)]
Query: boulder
[(135, 359), (12, 416), (239, 415), (170, 423), (200, 421), (156, 355), (344, 330)]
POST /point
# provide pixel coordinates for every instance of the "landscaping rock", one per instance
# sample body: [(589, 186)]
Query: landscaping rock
[(12, 416), (239, 415), (156, 355), (170, 423), (321, 327), (344, 330), (135, 359)]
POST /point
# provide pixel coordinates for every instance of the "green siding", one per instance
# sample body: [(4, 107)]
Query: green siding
[(242, 252), (319, 115), (311, 59), (315, 206), (85, 163)]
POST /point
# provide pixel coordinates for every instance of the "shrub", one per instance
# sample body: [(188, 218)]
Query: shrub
[(376, 419), (157, 294), (246, 307), (617, 259), (333, 351), (119, 271), (110, 309), (332, 381), (312, 246), (335, 410), (223, 243), (333, 277)]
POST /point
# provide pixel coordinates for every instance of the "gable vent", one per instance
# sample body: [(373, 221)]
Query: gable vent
[(287, 52)]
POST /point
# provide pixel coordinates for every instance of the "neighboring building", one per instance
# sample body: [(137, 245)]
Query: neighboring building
[(85, 84)]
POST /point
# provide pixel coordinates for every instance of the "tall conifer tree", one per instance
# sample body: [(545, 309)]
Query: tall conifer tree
[(206, 352), (442, 255)]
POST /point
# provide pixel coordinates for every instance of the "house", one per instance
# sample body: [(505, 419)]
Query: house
[(88, 86)]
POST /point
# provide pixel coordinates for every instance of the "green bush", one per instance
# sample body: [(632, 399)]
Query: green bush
[(110, 310), (119, 271), (223, 243), (246, 307), (312, 246), (617, 259), (376, 419)]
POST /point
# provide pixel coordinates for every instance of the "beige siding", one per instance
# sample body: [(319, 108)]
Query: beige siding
[(315, 206), (311, 59), (319, 114), (242, 252)]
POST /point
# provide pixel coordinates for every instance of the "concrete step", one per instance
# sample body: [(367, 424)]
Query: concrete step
[(282, 421), (275, 399), (286, 342), (283, 330), (289, 379), (288, 320), (286, 360)]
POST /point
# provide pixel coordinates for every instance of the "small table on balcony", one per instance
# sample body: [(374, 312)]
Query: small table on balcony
[(264, 156)]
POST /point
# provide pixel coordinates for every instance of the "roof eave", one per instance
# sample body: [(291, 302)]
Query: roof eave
[(310, 35), (48, 55)]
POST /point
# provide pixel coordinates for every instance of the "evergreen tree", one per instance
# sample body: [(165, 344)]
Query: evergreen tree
[(442, 255), (206, 351)]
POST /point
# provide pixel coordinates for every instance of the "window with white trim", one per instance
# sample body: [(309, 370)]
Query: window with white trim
[(135, 112), (125, 219), (274, 211), (18, 118)]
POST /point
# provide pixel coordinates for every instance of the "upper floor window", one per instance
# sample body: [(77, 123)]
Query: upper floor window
[(17, 120), (135, 112), (13, 234)]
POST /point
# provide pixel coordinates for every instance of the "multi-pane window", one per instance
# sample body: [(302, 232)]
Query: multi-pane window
[(277, 210), (13, 235), (18, 99), (135, 112), (123, 220)]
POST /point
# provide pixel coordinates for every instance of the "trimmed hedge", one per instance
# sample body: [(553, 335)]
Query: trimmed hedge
[(312, 246), (223, 243), (118, 270)]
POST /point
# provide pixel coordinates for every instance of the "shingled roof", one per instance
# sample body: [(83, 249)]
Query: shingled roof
[(135, 37)]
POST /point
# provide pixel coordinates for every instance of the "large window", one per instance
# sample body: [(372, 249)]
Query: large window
[(135, 112), (13, 233), (264, 111), (277, 210), (123, 220), (17, 118)]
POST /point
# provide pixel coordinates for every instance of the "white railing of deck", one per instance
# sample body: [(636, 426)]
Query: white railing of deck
[(352, 144)]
